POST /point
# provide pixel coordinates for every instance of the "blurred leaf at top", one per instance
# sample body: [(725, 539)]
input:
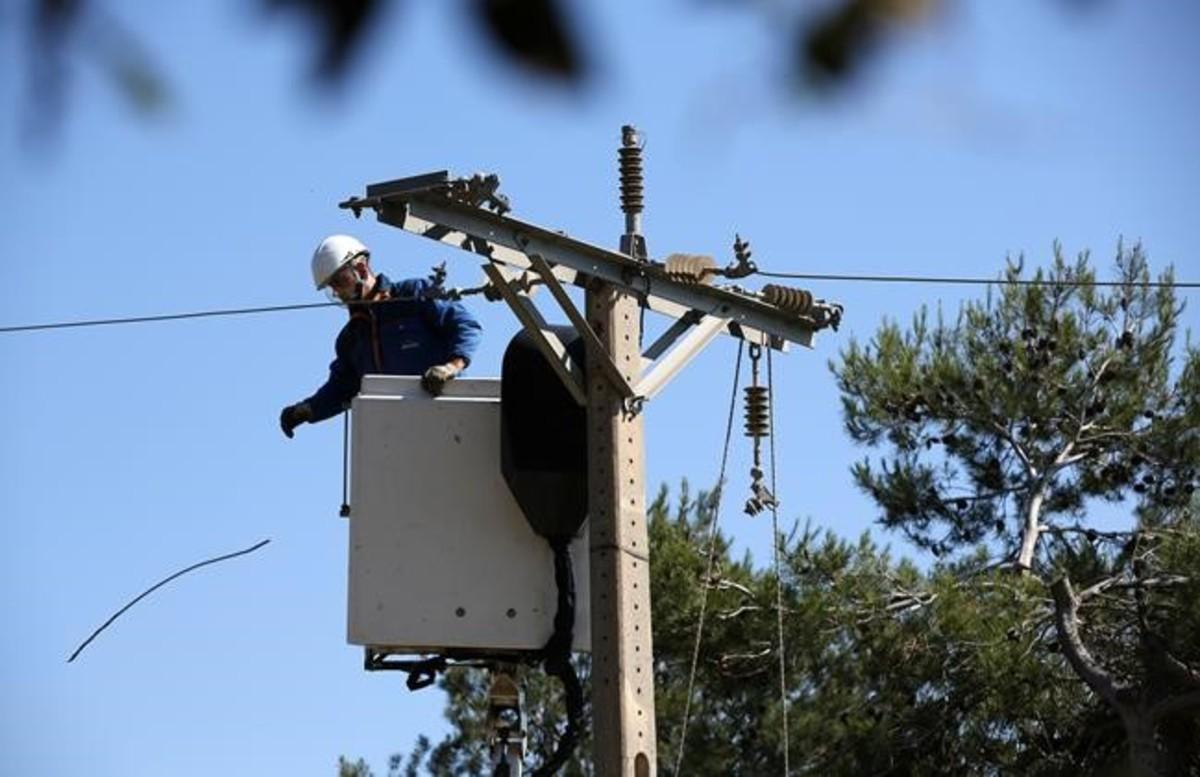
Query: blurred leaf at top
[(535, 34), (341, 26), (835, 45), (62, 29)]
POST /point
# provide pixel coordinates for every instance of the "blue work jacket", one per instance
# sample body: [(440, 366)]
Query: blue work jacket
[(404, 335)]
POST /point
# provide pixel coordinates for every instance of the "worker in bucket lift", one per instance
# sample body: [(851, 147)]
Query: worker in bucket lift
[(394, 328)]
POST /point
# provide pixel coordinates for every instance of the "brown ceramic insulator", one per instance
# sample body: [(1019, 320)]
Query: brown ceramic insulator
[(690, 268), (758, 407), (797, 301)]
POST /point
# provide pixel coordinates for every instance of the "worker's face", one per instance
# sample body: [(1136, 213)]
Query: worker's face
[(347, 283)]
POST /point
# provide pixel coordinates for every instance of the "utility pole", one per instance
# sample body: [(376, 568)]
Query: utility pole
[(619, 286), (622, 649)]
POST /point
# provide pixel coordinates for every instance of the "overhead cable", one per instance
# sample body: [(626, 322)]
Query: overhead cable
[(937, 280), (164, 317), (967, 281)]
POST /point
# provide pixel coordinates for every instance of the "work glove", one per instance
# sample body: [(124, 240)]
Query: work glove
[(437, 376), (294, 415)]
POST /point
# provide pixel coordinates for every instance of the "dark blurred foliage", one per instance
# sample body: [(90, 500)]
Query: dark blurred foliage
[(535, 34), (60, 28), (835, 45), (50, 25), (838, 43), (832, 43), (341, 27)]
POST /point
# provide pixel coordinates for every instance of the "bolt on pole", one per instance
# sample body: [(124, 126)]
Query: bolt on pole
[(622, 648)]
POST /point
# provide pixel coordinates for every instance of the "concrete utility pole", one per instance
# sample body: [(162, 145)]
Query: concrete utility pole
[(469, 214), (622, 649)]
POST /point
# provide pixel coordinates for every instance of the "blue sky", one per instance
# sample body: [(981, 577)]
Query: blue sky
[(130, 452)]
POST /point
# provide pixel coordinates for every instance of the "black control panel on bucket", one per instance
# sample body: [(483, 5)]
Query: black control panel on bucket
[(543, 437)]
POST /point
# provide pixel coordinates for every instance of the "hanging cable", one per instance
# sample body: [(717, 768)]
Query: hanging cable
[(157, 586), (712, 554), (344, 510), (556, 659), (776, 543)]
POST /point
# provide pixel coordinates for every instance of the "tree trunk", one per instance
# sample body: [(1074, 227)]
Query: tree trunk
[(1139, 731), (1126, 698), (1032, 530)]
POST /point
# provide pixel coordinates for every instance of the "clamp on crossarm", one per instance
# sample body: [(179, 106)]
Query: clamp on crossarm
[(595, 349), (546, 340)]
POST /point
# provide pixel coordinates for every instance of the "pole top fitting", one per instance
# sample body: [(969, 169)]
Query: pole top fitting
[(632, 178)]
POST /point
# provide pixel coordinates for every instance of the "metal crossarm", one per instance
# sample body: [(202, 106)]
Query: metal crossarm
[(520, 261), (423, 205)]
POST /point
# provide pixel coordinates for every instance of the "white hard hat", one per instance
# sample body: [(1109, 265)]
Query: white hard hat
[(334, 253)]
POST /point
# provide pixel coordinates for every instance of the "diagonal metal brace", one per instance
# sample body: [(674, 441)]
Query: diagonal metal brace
[(547, 342), (667, 367), (595, 348)]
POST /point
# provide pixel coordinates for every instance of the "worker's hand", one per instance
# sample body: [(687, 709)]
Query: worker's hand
[(294, 415), (437, 376)]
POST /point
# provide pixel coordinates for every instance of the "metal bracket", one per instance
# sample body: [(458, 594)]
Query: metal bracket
[(595, 348), (677, 329), (547, 342), (422, 673), (678, 357), (377, 192)]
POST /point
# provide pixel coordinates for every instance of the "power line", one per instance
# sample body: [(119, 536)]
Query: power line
[(164, 317), (964, 281), (923, 279)]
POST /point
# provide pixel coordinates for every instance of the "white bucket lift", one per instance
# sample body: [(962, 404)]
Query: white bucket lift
[(442, 559)]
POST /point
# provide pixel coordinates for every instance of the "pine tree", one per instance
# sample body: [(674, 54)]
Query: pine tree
[(1005, 431), (1003, 425)]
